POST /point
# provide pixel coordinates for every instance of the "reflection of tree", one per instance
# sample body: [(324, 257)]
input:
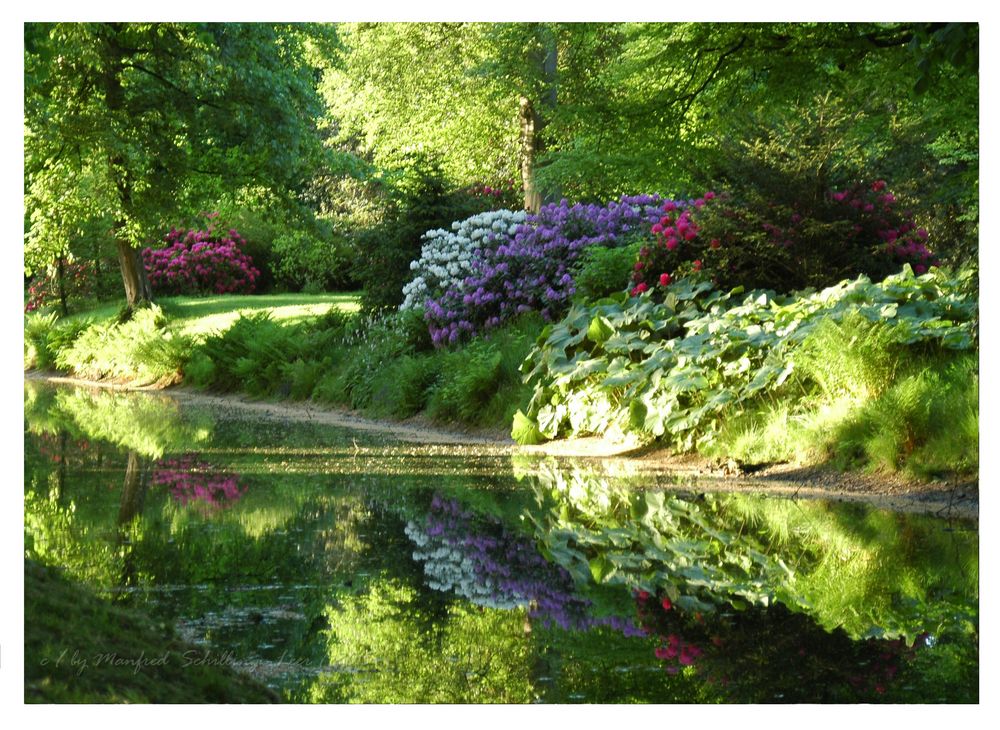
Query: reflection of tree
[(383, 649)]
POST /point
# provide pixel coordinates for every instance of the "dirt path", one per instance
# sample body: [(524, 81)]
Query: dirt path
[(956, 498)]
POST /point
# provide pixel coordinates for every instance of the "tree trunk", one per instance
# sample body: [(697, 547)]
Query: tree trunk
[(534, 119), (529, 150), (129, 509), (61, 285), (137, 289)]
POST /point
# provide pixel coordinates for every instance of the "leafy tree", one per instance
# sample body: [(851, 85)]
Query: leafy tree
[(142, 122)]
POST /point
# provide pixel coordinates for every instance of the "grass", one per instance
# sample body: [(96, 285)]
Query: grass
[(200, 316), (80, 648)]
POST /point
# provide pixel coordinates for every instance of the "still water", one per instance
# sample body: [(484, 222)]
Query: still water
[(339, 566)]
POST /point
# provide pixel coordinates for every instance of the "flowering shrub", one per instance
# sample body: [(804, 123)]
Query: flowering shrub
[(481, 561), (530, 270), (195, 482), (446, 256), (770, 245), (79, 281), (200, 262)]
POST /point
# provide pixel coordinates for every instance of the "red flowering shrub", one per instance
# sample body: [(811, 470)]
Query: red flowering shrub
[(200, 262), (763, 244), (43, 289)]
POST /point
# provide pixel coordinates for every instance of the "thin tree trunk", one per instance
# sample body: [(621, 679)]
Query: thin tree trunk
[(534, 119), (529, 150), (129, 509), (61, 285)]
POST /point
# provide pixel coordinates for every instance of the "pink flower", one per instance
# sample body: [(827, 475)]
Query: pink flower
[(639, 288), (714, 244), (664, 281), (671, 244), (667, 605), (697, 264), (709, 195)]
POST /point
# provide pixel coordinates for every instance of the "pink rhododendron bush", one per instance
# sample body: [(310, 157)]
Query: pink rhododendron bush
[(785, 247), (200, 262)]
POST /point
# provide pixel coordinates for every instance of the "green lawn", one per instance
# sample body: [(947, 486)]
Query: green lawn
[(200, 316)]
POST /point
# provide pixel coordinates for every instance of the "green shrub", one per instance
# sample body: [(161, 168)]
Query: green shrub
[(45, 335), (418, 200), (602, 271)]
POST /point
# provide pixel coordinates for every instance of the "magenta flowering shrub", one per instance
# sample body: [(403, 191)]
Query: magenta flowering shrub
[(767, 245), (200, 262), (197, 483), (531, 270)]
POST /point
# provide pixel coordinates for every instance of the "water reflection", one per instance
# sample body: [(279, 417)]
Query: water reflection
[(340, 568)]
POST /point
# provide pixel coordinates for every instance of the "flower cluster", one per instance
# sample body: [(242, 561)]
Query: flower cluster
[(200, 262), (446, 256), (872, 210), (191, 481), (673, 650), (480, 560), (504, 193), (530, 270)]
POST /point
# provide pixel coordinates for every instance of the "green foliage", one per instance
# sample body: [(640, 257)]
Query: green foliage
[(388, 649), (927, 422), (419, 199), (142, 349), (632, 368), (601, 272)]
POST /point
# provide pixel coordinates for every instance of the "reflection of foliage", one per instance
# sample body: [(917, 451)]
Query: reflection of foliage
[(385, 649), (873, 572), (191, 481), (653, 541), (866, 585), (138, 422), (480, 560)]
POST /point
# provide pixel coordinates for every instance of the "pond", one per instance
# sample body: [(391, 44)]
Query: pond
[(342, 566)]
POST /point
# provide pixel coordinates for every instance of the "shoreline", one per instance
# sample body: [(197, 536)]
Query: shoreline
[(958, 499)]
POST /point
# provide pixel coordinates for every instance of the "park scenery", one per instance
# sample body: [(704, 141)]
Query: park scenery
[(501, 362)]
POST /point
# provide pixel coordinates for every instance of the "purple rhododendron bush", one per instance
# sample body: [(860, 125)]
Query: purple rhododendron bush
[(200, 262), (531, 269)]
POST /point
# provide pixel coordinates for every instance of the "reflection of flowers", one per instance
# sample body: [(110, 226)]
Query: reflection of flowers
[(479, 560), (771, 653), (191, 481)]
